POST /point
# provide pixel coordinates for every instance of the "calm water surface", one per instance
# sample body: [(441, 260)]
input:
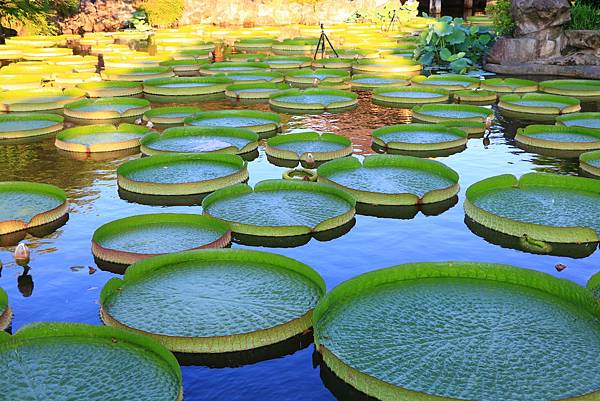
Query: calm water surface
[(64, 290)]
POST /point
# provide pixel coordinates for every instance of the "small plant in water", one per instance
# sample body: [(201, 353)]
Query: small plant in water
[(450, 44), (22, 254)]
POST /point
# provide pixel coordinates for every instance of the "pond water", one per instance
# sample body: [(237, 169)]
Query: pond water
[(65, 290)]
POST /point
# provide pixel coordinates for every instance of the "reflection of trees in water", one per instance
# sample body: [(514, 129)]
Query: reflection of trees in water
[(41, 162), (547, 164)]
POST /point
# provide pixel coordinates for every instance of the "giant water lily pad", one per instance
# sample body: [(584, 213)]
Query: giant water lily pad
[(38, 99), (477, 96), (136, 74), (228, 66), (258, 121), (254, 91), (509, 85), (285, 63), (201, 140), (111, 88), (278, 208), (128, 240), (181, 174), (590, 163), (436, 113), (409, 95), (5, 311), (391, 179), (313, 99), (407, 138), (186, 66), (170, 115), (447, 81), (28, 125), (334, 62), (433, 331), (539, 103), (398, 65), (304, 77), (101, 138), (541, 207), (299, 146), (66, 361), (572, 87), (252, 77), (369, 81), (254, 44), (159, 297), (557, 137), (586, 120), (107, 108), (186, 86), (295, 46), (25, 205)]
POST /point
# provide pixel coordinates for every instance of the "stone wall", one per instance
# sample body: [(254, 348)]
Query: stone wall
[(98, 16), (270, 12)]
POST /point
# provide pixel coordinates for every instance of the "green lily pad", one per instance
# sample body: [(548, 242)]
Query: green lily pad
[(409, 95), (586, 120), (252, 77), (131, 239), (228, 66), (5, 311), (298, 146), (509, 85), (558, 137), (426, 330), (254, 91), (181, 174), (572, 87), (200, 140), (538, 103), (307, 76), (278, 208), (100, 138), (313, 99), (65, 361), (159, 297), (263, 123), (436, 113), (25, 205), (447, 81), (254, 44), (111, 88), (369, 81), (542, 207), (170, 115), (136, 74), (425, 138), (590, 163), (107, 108), (398, 65), (28, 125), (391, 179), (25, 100), (286, 63), (186, 86)]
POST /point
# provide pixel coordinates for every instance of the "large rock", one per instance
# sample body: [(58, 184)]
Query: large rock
[(584, 39), (537, 15), (520, 50)]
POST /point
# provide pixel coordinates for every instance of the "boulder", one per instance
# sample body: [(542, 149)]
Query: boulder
[(519, 50), (582, 39), (538, 15)]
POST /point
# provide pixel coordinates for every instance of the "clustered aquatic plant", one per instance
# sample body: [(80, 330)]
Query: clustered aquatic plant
[(452, 44)]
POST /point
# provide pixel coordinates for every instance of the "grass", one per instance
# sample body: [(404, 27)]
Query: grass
[(584, 16)]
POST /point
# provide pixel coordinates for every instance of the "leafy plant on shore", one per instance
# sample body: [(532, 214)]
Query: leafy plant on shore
[(501, 14), (162, 13), (584, 15), (450, 44)]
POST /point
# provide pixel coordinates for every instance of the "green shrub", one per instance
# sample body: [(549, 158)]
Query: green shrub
[(65, 8), (450, 44), (584, 15), (162, 13), (501, 14)]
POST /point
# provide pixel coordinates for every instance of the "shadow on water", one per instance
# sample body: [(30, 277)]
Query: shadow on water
[(242, 358), (293, 241), (339, 388), (406, 212), (525, 244)]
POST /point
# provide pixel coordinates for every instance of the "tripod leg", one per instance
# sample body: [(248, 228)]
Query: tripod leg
[(317, 49), (330, 45)]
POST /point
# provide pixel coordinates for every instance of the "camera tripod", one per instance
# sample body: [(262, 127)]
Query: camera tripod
[(321, 44)]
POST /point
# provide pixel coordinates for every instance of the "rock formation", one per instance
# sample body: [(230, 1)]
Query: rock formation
[(98, 16)]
